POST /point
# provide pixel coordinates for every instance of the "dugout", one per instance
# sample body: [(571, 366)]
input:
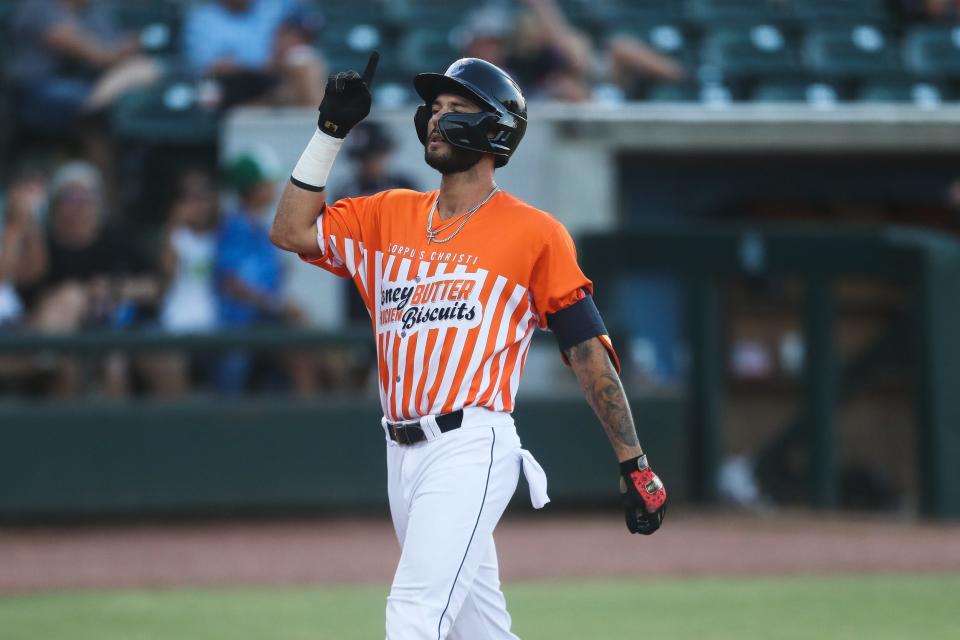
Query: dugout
[(925, 264)]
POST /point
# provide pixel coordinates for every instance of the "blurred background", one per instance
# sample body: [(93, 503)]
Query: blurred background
[(765, 192)]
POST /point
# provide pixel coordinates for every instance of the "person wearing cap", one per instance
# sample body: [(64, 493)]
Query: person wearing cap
[(98, 278), (370, 147), (248, 272)]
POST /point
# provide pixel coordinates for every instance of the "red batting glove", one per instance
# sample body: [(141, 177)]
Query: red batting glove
[(643, 494)]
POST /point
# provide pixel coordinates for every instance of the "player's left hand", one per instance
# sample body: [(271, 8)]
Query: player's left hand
[(347, 100), (644, 497)]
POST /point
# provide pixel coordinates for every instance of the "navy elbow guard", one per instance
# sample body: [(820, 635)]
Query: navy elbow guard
[(578, 323)]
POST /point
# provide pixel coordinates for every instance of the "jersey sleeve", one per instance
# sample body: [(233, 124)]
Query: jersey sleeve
[(558, 284), (557, 281), (344, 229)]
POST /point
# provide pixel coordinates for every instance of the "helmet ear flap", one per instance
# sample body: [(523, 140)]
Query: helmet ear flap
[(420, 120)]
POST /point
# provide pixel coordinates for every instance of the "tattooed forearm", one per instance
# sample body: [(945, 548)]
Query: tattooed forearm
[(602, 388)]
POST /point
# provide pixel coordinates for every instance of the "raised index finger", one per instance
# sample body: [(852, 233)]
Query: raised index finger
[(371, 69)]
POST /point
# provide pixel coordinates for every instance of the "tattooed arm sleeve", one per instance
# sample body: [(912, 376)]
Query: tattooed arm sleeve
[(601, 385)]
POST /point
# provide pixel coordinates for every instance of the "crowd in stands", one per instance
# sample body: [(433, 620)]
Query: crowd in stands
[(71, 257)]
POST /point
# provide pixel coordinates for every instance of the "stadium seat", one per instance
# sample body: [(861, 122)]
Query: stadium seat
[(709, 94), (850, 52), (747, 52), (669, 38), (170, 114), (673, 93), (833, 12), (711, 13), (348, 45), (815, 93), (903, 90), (392, 94), (932, 50), (158, 22), (427, 49), (444, 15), (622, 14)]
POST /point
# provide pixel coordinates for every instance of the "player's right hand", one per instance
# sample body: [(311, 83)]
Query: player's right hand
[(347, 99), (644, 497)]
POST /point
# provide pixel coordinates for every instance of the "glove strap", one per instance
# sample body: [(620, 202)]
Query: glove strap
[(634, 464), (315, 162), (637, 471)]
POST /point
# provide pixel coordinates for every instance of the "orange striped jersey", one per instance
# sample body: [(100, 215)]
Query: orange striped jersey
[(453, 321)]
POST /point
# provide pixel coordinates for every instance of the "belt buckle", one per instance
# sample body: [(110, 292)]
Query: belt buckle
[(398, 429)]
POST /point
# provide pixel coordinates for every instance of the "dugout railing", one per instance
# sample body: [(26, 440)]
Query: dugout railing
[(267, 453)]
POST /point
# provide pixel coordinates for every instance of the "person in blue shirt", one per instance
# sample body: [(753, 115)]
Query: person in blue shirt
[(255, 50), (247, 267)]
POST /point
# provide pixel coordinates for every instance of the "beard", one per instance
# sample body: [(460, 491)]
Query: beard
[(453, 160)]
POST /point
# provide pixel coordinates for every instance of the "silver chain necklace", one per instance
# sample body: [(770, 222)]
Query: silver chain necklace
[(433, 233)]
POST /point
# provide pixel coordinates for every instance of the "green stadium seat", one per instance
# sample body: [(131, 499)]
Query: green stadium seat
[(851, 52), (394, 93), (709, 94), (832, 12), (932, 50), (903, 90), (816, 93), (348, 45), (673, 93), (626, 11), (168, 114), (669, 38), (428, 49), (712, 13), (157, 21), (748, 52), (444, 15)]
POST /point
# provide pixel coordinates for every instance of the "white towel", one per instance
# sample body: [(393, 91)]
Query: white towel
[(536, 479)]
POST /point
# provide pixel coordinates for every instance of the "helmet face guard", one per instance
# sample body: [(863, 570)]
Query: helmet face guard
[(481, 131), (497, 129)]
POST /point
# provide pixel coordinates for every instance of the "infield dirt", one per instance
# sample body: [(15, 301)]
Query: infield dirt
[(539, 546)]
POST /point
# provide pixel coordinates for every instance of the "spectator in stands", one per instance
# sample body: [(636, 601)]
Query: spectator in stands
[(247, 267), (370, 147), (23, 261), (553, 60), (187, 256), (97, 277), (23, 250), (68, 64), (189, 302), (257, 50)]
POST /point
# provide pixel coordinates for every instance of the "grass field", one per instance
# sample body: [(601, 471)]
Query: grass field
[(848, 608)]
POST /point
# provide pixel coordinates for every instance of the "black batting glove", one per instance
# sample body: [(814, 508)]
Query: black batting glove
[(643, 495), (347, 100)]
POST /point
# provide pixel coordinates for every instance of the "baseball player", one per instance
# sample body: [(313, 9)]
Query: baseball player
[(456, 281)]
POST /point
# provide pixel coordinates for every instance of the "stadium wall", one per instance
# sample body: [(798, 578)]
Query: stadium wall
[(269, 456)]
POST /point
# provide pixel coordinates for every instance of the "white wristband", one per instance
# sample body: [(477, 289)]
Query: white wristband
[(316, 160)]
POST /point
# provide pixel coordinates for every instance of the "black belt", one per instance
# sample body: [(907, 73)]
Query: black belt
[(411, 433)]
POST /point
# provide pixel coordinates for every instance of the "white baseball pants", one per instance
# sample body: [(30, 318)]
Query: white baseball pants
[(446, 496)]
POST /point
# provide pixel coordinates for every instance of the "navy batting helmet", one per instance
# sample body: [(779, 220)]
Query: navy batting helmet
[(497, 129)]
